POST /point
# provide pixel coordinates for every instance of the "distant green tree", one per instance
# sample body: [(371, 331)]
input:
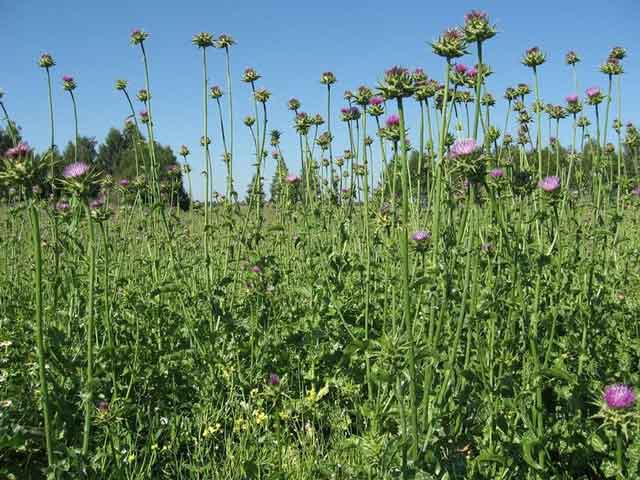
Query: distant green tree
[(86, 151)]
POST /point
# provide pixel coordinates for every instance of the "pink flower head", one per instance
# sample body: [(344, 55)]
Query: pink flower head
[(636, 191), (97, 202), (144, 114), (460, 68), (472, 72), (62, 206), (20, 150), (345, 110), (75, 170), (421, 236), (256, 269), (496, 173), (293, 179), (393, 120), (377, 100), (619, 396), (464, 147), (573, 98), (274, 379), (475, 15), (67, 78), (124, 183), (593, 92), (550, 184)]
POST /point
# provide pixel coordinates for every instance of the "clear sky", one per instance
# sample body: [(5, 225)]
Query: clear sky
[(290, 44)]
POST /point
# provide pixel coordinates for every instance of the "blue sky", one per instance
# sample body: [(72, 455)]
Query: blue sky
[(290, 44)]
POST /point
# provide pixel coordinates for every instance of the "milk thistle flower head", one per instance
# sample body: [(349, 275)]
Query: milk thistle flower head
[(363, 95), (138, 36), (619, 396), (203, 40), (573, 98), (184, 151), (121, 84), (397, 83), (215, 92), (533, 57), (68, 83), (124, 183), (421, 236), (46, 60), (274, 379), (636, 191), (20, 150), (464, 147), (75, 170), (293, 104), (594, 96), (460, 68), (262, 95), (523, 89), (376, 100), (62, 206), (550, 184), (612, 67), (256, 269), (393, 120), (292, 179), (451, 44), (477, 27), (143, 95), (496, 173), (224, 41), (317, 120), (249, 120), (327, 78), (571, 58), (618, 53), (144, 116), (419, 77), (250, 75)]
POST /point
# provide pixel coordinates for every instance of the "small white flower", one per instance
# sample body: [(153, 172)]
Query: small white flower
[(6, 343), (164, 420)]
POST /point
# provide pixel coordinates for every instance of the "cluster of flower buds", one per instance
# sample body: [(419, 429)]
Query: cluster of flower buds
[(327, 78), (451, 44), (250, 75), (215, 92), (397, 83), (477, 27), (224, 41), (262, 95), (46, 60), (348, 114), (138, 36), (68, 83), (533, 57)]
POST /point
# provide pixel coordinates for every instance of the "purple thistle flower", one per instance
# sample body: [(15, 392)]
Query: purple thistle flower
[(421, 236), (472, 72), (62, 206), (96, 203), (496, 173), (550, 184), (124, 182), (619, 396), (293, 179), (20, 150), (274, 379), (593, 91), (256, 269), (67, 78), (466, 146), (393, 121), (636, 191), (75, 170), (573, 98), (377, 100), (460, 68), (475, 15)]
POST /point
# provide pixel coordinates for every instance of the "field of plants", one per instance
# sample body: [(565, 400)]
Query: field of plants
[(442, 300)]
